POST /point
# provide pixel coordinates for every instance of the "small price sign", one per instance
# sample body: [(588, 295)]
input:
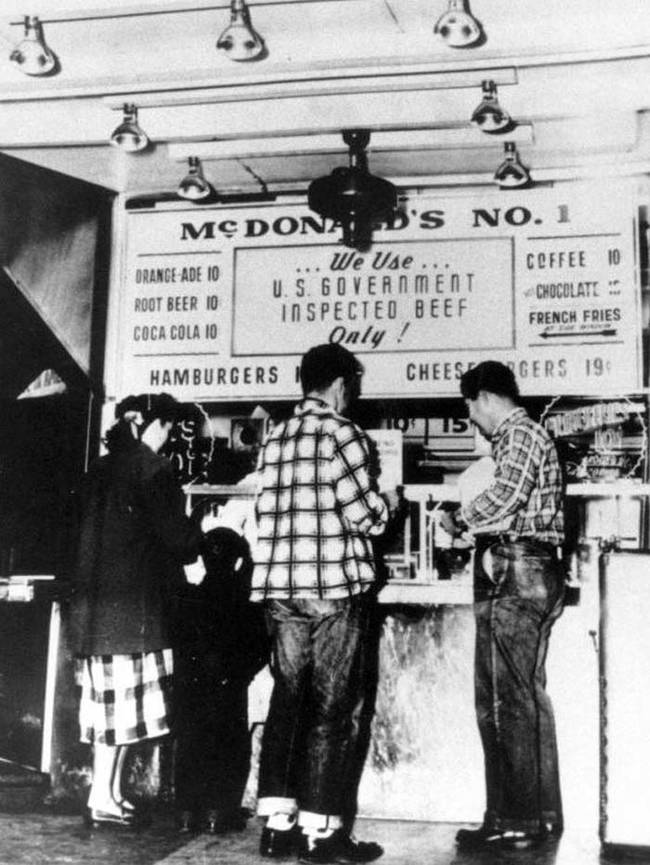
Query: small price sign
[(437, 433)]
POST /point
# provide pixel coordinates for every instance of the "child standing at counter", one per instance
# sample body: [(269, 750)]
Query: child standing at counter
[(220, 644)]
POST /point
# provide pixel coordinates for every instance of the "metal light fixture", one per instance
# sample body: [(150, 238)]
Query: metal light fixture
[(240, 41), (351, 195), (194, 186), (511, 174), (458, 27), (489, 116), (129, 135), (32, 55)]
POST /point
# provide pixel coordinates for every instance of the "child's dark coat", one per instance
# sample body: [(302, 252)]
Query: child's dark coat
[(220, 644)]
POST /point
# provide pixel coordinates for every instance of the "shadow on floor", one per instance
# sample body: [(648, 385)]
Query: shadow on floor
[(50, 838)]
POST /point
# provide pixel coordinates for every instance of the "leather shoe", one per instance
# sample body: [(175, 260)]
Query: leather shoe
[(279, 844), (498, 839), (96, 819), (216, 822), (338, 847)]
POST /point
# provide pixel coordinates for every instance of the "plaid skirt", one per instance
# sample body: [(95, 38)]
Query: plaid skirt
[(124, 698)]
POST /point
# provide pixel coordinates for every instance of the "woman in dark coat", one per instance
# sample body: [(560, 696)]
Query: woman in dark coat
[(134, 539)]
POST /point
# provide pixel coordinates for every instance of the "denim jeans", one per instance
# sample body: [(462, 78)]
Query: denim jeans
[(514, 712), (310, 736)]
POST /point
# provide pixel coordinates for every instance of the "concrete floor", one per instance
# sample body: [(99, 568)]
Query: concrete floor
[(48, 838)]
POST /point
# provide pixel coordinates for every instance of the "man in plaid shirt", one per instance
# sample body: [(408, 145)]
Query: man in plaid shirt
[(518, 524), (317, 511)]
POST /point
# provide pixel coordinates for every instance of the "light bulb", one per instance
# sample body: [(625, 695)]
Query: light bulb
[(457, 26), (240, 41), (489, 116), (194, 186), (32, 55), (511, 174), (128, 135)]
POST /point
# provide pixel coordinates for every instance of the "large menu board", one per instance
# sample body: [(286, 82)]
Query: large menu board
[(221, 302)]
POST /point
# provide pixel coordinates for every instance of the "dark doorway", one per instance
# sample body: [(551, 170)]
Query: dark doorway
[(42, 452)]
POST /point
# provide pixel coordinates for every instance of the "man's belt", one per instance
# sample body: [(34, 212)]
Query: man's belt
[(487, 539)]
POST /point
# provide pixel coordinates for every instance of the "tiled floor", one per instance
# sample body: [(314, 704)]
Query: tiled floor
[(61, 839)]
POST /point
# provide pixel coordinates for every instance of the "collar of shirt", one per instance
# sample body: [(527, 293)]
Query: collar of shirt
[(501, 428), (314, 405)]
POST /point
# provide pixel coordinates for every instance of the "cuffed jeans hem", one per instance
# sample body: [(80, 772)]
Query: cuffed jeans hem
[(268, 805), (310, 820)]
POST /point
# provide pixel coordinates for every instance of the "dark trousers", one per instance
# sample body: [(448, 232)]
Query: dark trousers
[(514, 712), (212, 745), (310, 741)]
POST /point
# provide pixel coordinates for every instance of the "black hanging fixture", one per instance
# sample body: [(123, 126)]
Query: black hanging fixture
[(352, 195)]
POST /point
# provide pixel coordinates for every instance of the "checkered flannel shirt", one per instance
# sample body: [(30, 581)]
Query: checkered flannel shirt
[(316, 507), (527, 485)]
